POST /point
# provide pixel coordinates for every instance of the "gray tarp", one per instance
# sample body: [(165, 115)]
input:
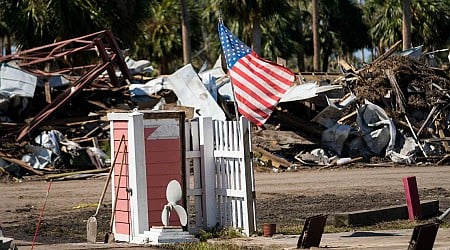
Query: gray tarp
[(16, 82)]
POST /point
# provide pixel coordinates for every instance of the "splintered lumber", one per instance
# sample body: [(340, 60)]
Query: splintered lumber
[(48, 94), (343, 119), (443, 159), (400, 100), (442, 136), (389, 52), (346, 66), (267, 156), (22, 164), (298, 123)]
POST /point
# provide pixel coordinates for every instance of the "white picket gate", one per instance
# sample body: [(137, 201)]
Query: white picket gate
[(219, 175)]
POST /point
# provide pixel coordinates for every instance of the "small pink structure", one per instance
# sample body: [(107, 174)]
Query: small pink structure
[(412, 198), (150, 156)]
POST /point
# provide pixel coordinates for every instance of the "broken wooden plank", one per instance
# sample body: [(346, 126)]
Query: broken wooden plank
[(346, 66), (343, 119), (400, 100), (297, 123), (48, 94), (274, 160), (389, 52), (442, 135), (22, 164)]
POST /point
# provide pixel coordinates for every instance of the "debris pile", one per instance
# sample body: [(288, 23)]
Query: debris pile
[(394, 110), (54, 100)]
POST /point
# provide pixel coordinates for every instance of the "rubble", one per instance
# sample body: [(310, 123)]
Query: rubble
[(53, 109)]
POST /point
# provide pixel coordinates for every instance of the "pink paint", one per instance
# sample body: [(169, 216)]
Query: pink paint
[(122, 216), (156, 169), (412, 197), (122, 221), (164, 145), (122, 228), (163, 164)]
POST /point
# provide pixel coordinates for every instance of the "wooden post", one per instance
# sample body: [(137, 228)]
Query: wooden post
[(412, 197), (208, 171), (137, 175), (250, 206)]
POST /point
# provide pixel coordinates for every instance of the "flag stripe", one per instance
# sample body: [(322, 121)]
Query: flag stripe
[(258, 84), (268, 72), (253, 115), (249, 85), (258, 121), (256, 100), (250, 108), (260, 81)]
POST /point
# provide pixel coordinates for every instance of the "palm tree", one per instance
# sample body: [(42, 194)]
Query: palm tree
[(185, 33), (249, 17), (315, 31), (430, 21), (28, 21), (406, 24), (163, 35), (341, 19), (38, 22), (5, 41)]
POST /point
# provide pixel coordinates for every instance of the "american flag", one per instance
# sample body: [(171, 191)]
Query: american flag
[(258, 84)]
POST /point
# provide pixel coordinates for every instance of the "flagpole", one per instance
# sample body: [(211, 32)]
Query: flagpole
[(236, 112), (238, 124)]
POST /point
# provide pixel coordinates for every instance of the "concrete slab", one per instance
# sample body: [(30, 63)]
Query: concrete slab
[(385, 239), (430, 209)]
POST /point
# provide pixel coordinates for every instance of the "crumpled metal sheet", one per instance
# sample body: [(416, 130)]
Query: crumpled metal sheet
[(378, 129), (16, 82), (380, 133), (335, 137), (191, 92)]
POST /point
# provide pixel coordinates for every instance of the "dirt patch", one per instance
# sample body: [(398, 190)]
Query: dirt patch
[(69, 205), (282, 198)]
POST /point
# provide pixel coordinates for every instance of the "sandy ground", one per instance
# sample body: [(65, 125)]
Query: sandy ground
[(282, 198)]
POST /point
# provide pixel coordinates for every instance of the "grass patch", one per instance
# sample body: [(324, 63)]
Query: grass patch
[(222, 233), (214, 233), (206, 246)]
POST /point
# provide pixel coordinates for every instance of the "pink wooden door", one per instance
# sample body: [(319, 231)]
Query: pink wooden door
[(163, 157)]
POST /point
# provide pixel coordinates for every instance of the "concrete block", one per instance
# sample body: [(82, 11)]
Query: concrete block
[(370, 217)]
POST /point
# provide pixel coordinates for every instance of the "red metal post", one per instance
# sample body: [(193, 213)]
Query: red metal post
[(412, 197)]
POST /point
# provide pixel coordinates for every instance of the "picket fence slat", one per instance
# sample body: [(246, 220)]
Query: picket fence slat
[(231, 192), (219, 163)]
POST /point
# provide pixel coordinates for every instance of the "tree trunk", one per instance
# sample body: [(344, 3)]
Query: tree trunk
[(301, 60), (164, 66), (406, 28), (301, 51), (326, 58), (256, 36), (185, 33), (8, 45), (316, 42)]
